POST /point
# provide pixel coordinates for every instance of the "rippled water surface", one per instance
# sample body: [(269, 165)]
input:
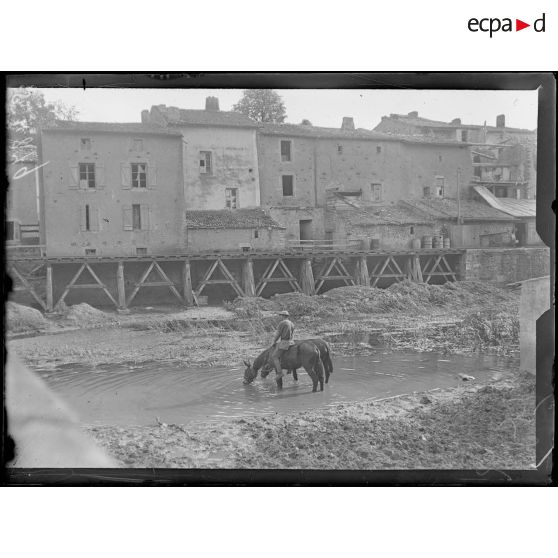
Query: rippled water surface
[(129, 395)]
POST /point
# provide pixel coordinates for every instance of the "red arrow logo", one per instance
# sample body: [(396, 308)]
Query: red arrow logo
[(519, 25)]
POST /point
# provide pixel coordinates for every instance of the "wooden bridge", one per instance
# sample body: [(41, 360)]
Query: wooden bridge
[(223, 275)]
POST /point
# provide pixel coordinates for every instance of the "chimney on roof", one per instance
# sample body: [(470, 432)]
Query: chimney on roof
[(211, 103), (501, 121), (456, 121), (145, 116), (348, 123), (413, 113)]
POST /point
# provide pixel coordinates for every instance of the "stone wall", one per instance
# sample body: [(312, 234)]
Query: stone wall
[(505, 265)]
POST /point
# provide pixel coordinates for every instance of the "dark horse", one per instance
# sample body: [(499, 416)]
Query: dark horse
[(302, 354), (325, 356)]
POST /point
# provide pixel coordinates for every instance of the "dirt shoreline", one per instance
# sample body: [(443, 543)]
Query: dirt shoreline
[(479, 426)]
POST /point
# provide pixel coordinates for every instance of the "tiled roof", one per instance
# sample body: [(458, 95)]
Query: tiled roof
[(393, 214), (230, 219), (304, 130), (446, 208), (118, 127), (419, 121), (515, 208), (176, 116)]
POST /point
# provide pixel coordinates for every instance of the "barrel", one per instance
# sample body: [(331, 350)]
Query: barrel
[(374, 244), (427, 242), (415, 243), (447, 242)]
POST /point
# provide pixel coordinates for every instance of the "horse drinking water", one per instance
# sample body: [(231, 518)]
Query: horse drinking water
[(303, 354)]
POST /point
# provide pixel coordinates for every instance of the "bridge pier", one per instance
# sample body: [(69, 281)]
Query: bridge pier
[(248, 283), (307, 277)]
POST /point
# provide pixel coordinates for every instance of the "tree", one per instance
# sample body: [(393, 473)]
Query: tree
[(262, 105), (28, 111)]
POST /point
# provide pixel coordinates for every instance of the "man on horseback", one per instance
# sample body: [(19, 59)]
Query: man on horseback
[(284, 339)]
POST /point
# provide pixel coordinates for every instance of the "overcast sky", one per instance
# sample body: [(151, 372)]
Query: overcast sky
[(321, 107)]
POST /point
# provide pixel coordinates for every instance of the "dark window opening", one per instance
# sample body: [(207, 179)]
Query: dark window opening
[(287, 181), (90, 251), (87, 175), (136, 217), (285, 150), (86, 144), (139, 175)]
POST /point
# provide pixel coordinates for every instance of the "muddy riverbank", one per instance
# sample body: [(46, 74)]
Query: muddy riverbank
[(480, 426)]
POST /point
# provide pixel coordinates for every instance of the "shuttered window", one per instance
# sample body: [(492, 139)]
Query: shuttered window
[(285, 150), (206, 164)]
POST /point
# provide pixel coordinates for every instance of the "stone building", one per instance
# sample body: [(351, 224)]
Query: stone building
[(504, 159), (111, 189), (299, 164), (222, 230), (219, 155)]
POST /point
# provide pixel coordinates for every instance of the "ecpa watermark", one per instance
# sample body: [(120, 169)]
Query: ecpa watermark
[(493, 25)]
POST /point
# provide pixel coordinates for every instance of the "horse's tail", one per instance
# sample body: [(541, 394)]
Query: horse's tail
[(326, 359)]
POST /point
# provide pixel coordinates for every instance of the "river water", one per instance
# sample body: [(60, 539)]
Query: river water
[(136, 395)]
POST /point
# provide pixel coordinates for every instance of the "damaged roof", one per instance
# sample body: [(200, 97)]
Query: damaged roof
[(115, 127), (176, 117), (447, 208), (306, 130), (230, 219)]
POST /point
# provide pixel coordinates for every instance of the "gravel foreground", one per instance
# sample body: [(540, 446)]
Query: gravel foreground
[(489, 426)]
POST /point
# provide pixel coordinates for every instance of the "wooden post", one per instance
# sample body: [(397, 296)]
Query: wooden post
[(248, 278), (49, 289), (307, 277), (121, 287), (187, 291), (362, 277)]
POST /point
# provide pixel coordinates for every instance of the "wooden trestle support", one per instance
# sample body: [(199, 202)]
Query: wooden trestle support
[(253, 274)]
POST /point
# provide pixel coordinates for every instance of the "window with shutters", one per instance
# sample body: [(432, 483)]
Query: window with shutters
[(287, 181), (136, 217), (87, 175), (231, 198), (286, 150), (85, 144), (206, 164), (376, 192), (139, 175)]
